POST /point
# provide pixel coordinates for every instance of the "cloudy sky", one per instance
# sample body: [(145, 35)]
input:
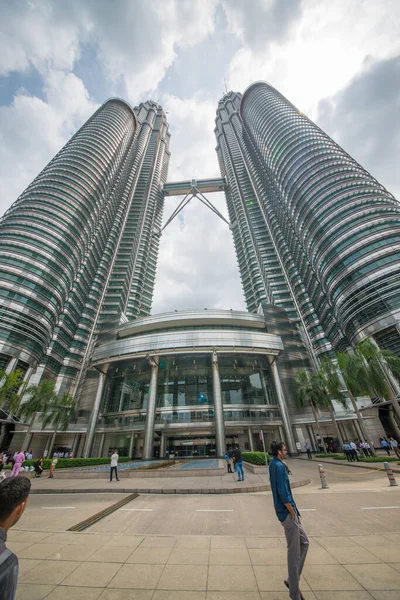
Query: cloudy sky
[(339, 62)]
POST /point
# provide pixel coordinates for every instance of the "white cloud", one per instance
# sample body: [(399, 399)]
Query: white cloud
[(33, 130), (326, 49)]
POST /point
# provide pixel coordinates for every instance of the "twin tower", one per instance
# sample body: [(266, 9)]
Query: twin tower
[(315, 234)]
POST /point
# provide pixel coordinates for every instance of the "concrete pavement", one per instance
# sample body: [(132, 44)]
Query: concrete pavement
[(214, 547)]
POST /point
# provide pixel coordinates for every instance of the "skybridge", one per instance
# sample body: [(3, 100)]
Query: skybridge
[(194, 188)]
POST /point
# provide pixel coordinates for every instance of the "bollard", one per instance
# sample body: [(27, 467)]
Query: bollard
[(390, 475), (324, 484)]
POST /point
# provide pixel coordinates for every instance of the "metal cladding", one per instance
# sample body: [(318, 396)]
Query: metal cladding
[(70, 240), (335, 229)]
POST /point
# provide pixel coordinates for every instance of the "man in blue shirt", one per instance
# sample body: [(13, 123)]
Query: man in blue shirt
[(289, 516)]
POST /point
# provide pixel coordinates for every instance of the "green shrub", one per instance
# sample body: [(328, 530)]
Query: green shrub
[(331, 455), (255, 458), (65, 463), (368, 459)]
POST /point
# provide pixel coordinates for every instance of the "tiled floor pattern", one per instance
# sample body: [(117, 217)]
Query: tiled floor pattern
[(94, 566)]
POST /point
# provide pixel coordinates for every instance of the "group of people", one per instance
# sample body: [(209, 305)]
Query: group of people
[(390, 444), (353, 449), (234, 459)]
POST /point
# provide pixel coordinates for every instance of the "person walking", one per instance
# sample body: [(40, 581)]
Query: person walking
[(289, 517), (385, 445), (237, 457), (347, 451), (353, 450), (14, 494), (394, 446), (229, 460), (308, 450), (53, 465), (19, 458), (38, 467), (114, 465)]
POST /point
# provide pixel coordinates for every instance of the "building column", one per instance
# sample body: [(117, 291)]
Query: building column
[(358, 430), (251, 445), (283, 409), (162, 445), (75, 444), (12, 365), (151, 411), (218, 408), (101, 445), (131, 441), (393, 422), (311, 435), (281, 433), (94, 416)]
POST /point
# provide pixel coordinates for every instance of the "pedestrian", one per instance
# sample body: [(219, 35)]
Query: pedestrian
[(353, 450), (368, 449), (2, 473), (53, 467), (19, 458), (308, 450), (385, 445), (228, 458), (237, 457), (114, 465), (347, 452), (394, 446), (38, 467), (45, 453), (289, 516), (29, 455), (14, 495)]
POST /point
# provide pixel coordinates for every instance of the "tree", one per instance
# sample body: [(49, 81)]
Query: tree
[(40, 397), (328, 388), (59, 414), (307, 394), (382, 367), (9, 389)]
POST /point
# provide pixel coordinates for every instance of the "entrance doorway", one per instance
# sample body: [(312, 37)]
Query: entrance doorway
[(191, 447)]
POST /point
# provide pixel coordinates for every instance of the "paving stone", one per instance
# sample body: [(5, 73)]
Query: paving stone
[(366, 541), (28, 591), (26, 564), (233, 596), (136, 576), (355, 595), (376, 577), (125, 594), (229, 556), (41, 551), (385, 595), (193, 542), (183, 577), (158, 542), (283, 596), (63, 592), (16, 546), (125, 540), (386, 553), (263, 542), (227, 542), (320, 556), (107, 554), (168, 595), (266, 556), (92, 574), (49, 572), (271, 578), (395, 566), (353, 556), (331, 577), (232, 578), (183, 556), (33, 537), (149, 556), (335, 541), (75, 552)]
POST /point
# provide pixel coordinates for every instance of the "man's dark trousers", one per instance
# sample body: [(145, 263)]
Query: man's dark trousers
[(116, 473)]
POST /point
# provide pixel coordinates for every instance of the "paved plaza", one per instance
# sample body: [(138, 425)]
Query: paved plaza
[(213, 547)]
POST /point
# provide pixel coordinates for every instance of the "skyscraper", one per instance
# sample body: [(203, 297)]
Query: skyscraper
[(79, 246), (314, 232)]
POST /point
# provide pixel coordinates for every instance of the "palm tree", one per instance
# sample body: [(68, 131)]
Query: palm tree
[(382, 366), (40, 397), (357, 380), (307, 394), (60, 412), (329, 387), (9, 388)]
